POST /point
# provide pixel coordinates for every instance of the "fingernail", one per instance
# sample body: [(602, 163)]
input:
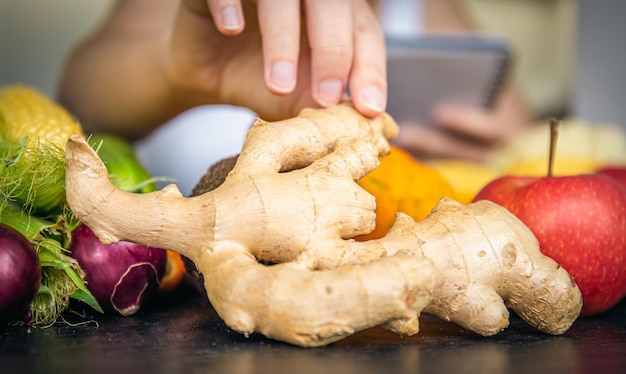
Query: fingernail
[(230, 19), (373, 98), (329, 92), (283, 76)]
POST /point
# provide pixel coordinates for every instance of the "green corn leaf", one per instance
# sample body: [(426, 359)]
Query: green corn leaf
[(86, 297)]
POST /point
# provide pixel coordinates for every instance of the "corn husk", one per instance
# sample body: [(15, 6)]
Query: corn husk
[(33, 133)]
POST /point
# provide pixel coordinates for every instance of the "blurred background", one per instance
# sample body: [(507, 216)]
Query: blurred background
[(600, 93), (36, 35)]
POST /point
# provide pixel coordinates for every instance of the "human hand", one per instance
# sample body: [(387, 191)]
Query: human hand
[(466, 132), (276, 58)]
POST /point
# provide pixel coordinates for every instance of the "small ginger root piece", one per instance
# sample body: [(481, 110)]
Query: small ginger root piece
[(491, 262), (295, 181)]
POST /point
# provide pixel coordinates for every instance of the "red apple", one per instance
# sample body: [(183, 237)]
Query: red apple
[(580, 222), (616, 172)]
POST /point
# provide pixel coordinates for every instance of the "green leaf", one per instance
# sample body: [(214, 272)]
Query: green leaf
[(87, 298)]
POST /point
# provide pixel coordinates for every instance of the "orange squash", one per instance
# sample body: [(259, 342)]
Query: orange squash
[(174, 273), (402, 184)]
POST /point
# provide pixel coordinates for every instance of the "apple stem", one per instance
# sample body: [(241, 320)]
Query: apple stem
[(554, 124)]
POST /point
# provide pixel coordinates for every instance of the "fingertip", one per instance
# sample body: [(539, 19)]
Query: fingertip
[(465, 119), (282, 77), (329, 92), (230, 20), (443, 112), (371, 101)]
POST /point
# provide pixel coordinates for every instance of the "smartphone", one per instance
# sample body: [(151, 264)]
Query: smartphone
[(427, 71)]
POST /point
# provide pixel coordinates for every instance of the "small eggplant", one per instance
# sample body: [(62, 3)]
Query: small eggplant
[(122, 275), (20, 276)]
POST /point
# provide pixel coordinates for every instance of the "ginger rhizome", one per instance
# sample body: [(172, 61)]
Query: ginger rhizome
[(292, 201)]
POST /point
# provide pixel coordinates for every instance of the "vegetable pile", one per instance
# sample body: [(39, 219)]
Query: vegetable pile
[(273, 238), (33, 133), (290, 267), (35, 217)]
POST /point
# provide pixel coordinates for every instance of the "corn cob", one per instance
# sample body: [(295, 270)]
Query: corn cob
[(26, 112), (33, 133)]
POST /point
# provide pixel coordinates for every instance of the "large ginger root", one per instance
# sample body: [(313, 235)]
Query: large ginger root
[(292, 200), (261, 213)]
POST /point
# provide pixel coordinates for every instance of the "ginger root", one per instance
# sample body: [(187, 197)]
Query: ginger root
[(487, 256), (296, 182)]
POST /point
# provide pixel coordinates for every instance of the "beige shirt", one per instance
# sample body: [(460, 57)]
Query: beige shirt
[(542, 36)]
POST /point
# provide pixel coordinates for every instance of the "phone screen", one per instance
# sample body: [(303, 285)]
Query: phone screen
[(427, 71)]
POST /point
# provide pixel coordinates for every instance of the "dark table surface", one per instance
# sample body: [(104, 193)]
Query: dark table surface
[(183, 334)]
